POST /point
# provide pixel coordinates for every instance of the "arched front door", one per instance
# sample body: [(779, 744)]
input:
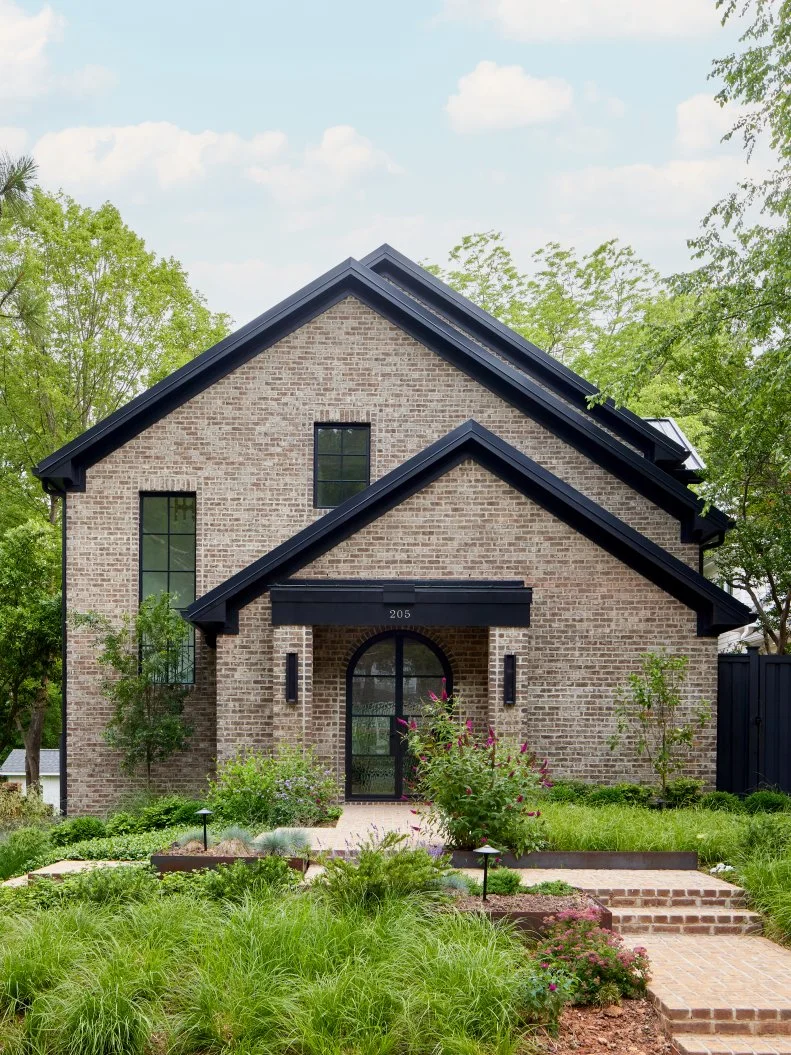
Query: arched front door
[(387, 679)]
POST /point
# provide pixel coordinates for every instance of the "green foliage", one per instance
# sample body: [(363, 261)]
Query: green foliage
[(141, 656), (233, 882), (285, 843), (166, 811), (477, 783), (133, 847), (77, 830), (721, 800), (595, 957), (30, 634), (650, 710), (568, 790), (499, 881), (290, 787), (682, 792), (20, 849), (551, 886), (767, 801), (18, 810), (767, 880), (764, 836), (616, 794), (383, 869)]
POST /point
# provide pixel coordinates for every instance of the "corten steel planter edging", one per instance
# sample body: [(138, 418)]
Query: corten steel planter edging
[(533, 922), (194, 862), (620, 859)]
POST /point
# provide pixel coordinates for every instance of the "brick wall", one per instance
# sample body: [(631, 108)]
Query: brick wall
[(244, 446)]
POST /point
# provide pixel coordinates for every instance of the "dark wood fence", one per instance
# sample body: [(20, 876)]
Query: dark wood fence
[(754, 722)]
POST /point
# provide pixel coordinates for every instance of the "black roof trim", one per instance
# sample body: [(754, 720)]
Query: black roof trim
[(525, 355), (217, 611), (66, 468)]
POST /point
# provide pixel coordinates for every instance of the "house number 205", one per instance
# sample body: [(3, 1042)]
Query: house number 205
[(400, 613)]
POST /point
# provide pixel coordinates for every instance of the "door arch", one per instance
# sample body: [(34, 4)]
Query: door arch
[(386, 679)]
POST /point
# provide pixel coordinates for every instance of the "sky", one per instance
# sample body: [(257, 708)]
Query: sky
[(261, 143)]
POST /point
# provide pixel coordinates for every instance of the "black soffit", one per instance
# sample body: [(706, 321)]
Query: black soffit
[(525, 355), (217, 611), (65, 470), (419, 602)]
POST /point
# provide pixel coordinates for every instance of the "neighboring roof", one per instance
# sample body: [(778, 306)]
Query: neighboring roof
[(14, 765), (670, 427), (665, 450), (217, 611), (65, 469)]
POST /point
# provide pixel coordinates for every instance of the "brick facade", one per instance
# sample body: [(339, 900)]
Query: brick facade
[(244, 446)]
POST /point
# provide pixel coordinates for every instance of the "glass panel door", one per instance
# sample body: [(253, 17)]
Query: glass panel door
[(387, 681)]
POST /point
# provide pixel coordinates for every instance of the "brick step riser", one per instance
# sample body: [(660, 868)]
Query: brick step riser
[(741, 1044), (707, 1028), (682, 928), (737, 902)]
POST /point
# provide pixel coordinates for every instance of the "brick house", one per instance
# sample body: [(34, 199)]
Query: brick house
[(369, 487)]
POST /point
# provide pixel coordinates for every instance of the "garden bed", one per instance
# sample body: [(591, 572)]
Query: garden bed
[(192, 857), (674, 859), (529, 912)]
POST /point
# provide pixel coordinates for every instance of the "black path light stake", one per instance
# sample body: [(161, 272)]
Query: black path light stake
[(204, 814), (487, 852)]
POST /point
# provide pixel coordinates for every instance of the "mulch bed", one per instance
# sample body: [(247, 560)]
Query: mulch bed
[(631, 1029), (548, 904), (227, 848)]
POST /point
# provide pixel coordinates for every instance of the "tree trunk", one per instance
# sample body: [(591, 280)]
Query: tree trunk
[(31, 737)]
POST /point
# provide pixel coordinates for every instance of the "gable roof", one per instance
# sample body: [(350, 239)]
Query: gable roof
[(14, 765), (65, 469), (217, 611), (655, 443)]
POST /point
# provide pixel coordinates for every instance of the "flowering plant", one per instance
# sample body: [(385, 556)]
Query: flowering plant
[(476, 783), (597, 958)]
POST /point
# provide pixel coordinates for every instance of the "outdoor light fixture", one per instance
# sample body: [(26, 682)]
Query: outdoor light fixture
[(509, 680), (291, 677), (204, 814), (487, 852)]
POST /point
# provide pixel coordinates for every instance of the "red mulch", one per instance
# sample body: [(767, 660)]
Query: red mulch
[(631, 1029)]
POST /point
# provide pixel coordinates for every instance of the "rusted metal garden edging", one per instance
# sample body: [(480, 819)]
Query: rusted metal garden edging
[(194, 862), (620, 859)]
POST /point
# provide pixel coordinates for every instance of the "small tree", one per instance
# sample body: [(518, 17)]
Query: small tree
[(649, 708), (145, 656)]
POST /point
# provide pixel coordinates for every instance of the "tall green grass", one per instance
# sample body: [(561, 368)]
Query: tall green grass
[(768, 884), (279, 975)]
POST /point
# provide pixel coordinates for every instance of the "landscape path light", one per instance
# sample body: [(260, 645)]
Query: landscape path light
[(487, 852), (204, 814)]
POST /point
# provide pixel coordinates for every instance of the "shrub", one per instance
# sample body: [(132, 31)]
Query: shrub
[(558, 887), (620, 794), (499, 881), (682, 792), (286, 789), (383, 869), (721, 800), (284, 843), (18, 810), (595, 957), (767, 802), (568, 790), (233, 882), (74, 831), (478, 784), (20, 850)]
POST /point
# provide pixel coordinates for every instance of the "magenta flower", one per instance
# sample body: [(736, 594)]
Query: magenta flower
[(523, 748), (468, 790), (402, 721), (552, 987), (520, 798)]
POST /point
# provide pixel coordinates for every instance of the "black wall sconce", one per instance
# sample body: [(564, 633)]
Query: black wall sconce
[(509, 680), (291, 677)]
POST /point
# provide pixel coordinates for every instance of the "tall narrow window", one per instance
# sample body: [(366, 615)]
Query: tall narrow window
[(167, 562), (341, 463)]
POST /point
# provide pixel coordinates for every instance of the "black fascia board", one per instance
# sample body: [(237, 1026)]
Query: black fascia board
[(217, 611), (353, 279), (525, 355)]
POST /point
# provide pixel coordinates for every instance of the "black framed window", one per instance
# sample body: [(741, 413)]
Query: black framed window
[(167, 563), (341, 463)]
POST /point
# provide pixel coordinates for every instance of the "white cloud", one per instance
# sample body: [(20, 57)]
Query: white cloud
[(25, 72), (13, 141), (341, 159), (592, 94), (101, 157), (249, 286), (575, 19), (701, 122), (495, 96)]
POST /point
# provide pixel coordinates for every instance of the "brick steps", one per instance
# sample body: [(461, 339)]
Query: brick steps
[(703, 920), (738, 1044), (725, 898), (716, 1022)]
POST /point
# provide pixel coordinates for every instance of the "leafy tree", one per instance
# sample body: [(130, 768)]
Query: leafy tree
[(143, 657), (30, 637), (649, 709), (114, 319)]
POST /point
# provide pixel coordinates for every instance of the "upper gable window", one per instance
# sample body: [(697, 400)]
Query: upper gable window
[(341, 463)]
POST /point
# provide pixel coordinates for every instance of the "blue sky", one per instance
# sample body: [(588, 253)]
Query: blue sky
[(260, 143)]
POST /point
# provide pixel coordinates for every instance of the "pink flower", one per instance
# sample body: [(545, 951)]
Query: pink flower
[(402, 721), (468, 791), (433, 697), (520, 798), (552, 987), (444, 693), (523, 748), (468, 723)]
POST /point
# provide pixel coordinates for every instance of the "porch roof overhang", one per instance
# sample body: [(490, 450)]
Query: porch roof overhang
[(419, 602)]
